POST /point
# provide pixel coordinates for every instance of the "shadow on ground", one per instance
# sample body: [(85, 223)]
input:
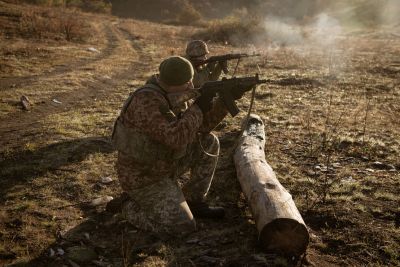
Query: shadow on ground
[(105, 239), (27, 165)]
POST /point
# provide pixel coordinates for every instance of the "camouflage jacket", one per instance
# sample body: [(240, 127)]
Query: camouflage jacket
[(149, 113)]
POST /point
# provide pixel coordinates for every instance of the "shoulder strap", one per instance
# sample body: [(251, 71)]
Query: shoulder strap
[(146, 88)]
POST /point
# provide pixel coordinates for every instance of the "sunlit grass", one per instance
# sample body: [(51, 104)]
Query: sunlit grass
[(384, 195), (80, 123)]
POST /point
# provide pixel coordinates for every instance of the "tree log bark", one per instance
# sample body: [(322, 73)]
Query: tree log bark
[(280, 225)]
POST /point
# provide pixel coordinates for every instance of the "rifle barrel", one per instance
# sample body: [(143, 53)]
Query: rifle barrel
[(228, 57)]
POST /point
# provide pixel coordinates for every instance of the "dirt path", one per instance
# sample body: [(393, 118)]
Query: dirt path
[(28, 123), (112, 43)]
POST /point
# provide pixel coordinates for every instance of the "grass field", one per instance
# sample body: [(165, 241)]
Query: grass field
[(332, 122)]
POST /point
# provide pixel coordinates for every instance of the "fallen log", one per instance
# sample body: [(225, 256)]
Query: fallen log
[(280, 225)]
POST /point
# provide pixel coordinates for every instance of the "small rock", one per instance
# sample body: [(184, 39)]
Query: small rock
[(107, 180), (86, 235), (92, 49), (60, 252), (101, 200), (56, 101), (370, 170), (51, 252)]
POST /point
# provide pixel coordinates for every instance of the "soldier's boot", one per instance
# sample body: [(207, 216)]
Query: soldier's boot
[(203, 210)]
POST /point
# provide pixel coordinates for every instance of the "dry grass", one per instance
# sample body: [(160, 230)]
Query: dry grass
[(188, 15), (237, 29), (54, 23), (314, 114)]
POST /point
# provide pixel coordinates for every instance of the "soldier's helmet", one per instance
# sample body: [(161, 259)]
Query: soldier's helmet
[(196, 48)]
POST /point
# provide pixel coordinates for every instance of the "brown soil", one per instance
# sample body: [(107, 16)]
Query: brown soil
[(332, 125)]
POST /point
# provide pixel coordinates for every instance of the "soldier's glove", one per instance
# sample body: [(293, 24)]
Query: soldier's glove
[(204, 102), (238, 93), (224, 66)]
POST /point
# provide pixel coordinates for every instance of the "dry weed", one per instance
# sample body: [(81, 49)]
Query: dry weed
[(46, 23), (237, 29)]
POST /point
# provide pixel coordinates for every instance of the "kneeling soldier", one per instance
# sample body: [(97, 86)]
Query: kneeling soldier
[(156, 146)]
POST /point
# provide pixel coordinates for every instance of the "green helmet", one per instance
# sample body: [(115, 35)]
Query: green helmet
[(176, 70), (196, 48)]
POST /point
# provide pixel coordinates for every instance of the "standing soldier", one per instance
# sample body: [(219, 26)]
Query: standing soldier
[(156, 146), (196, 52)]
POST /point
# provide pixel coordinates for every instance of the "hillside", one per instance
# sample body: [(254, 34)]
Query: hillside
[(364, 12), (331, 109)]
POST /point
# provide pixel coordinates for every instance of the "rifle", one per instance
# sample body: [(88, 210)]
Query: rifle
[(222, 58), (225, 87)]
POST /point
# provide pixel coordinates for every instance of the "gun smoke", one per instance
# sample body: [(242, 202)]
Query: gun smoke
[(319, 29)]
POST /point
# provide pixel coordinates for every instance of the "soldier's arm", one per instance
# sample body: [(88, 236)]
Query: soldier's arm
[(149, 114), (214, 116)]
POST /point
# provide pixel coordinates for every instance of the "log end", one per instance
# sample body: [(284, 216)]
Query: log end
[(285, 236)]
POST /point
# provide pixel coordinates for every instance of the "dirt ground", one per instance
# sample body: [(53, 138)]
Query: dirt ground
[(332, 122)]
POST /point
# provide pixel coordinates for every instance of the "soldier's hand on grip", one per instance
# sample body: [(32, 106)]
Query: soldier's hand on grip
[(204, 102), (239, 92)]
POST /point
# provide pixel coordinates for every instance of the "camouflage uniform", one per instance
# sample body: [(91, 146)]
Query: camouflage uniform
[(203, 74), (157, 203)]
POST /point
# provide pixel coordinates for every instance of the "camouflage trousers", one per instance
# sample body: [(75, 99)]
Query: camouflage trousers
[(161, 207)]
